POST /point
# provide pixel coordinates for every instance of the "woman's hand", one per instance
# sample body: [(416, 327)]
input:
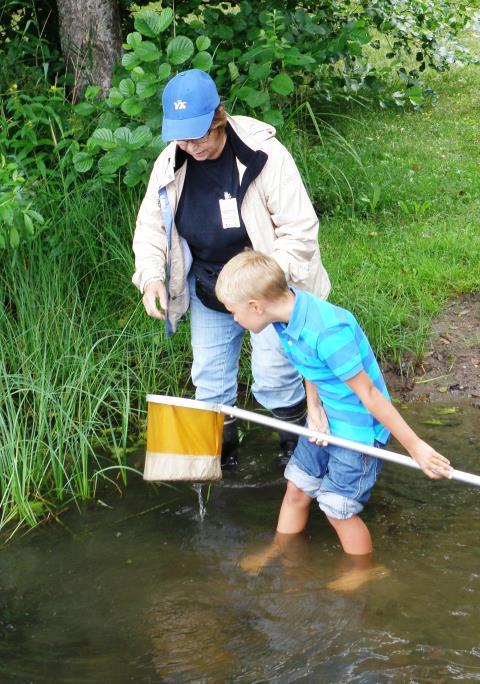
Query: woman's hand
[(153, 291)]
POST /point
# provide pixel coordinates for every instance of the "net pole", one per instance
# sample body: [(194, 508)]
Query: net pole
[(384, 454)]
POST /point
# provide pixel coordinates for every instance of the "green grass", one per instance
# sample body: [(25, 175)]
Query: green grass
[(77, 356), (398, 193)]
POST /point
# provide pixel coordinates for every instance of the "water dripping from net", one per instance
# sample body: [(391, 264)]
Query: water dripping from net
[(202, 509)]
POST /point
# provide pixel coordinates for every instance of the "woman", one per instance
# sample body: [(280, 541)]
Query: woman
[(222, 185)]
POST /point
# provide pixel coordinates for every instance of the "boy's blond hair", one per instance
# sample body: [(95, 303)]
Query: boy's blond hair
[(250, 275)]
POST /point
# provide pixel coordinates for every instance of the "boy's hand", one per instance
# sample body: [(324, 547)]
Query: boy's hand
[(317, 420), (433, 464)]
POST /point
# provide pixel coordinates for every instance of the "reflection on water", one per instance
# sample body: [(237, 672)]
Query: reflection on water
[(149, 591)]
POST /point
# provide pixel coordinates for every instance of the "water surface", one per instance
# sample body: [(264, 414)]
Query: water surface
[(146, 591)]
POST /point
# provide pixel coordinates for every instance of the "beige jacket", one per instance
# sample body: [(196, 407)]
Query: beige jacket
[(277, 212)]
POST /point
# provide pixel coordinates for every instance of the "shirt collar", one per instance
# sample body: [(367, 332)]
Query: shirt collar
[(299, 315)]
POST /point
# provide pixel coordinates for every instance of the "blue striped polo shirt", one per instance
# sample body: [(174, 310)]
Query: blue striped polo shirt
[(327, 346)]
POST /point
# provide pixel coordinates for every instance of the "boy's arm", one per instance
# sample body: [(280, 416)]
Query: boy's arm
[(433, 464)]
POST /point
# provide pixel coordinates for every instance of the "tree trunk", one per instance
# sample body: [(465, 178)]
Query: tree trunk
[(91, 41)]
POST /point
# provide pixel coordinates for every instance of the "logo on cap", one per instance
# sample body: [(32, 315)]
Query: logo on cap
[(180, 104)]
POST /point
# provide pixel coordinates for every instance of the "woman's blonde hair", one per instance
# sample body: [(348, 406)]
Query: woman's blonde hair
[(250, 275)]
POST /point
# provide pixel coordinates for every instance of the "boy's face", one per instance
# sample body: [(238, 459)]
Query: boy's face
[(250, 316)]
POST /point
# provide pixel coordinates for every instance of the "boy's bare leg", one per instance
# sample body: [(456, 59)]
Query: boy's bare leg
[(357, 543), (294, 511), (353, 534), (291, 520)]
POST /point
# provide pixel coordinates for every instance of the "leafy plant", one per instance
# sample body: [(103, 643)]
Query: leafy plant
[(264, 63), (17, 215)]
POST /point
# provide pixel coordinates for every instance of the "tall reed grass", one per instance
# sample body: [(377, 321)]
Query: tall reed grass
[(77, 356)]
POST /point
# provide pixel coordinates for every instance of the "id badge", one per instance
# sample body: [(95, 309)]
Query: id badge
[(229, 212)]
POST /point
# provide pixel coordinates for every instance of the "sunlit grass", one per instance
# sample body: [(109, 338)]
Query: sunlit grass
[(399, 228)]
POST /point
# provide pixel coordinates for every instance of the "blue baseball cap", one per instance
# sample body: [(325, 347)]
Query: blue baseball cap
[(189, 102)]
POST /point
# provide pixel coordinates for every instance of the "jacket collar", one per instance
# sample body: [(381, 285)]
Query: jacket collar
[(253, 159)]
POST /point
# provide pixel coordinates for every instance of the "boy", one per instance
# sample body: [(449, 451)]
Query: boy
[(346, 396)]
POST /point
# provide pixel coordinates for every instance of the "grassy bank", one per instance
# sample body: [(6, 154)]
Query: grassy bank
[(399, 198), (401, 205), (77, 356)]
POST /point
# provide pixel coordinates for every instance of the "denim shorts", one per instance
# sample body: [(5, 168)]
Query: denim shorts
[(340, 479)]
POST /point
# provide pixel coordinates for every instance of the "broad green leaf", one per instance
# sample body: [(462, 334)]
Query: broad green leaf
[(148, 23), (273, 117), (140, 137), (84, 108), (147, 88), (415, 95), (294, 57), (123, 136), (259, 71), (166, 18), (103, 138), (224, 32), (282, 84), (257, 98), (147, 51), (203, 61), (127, 87), (156, 145), (203, 43), (164, 71), (132, 106), (82, 161), (134, 39), (115, 97), (244, 92), (130, 60), (179, 50), (137, 73), (91, 92), (261, 53), (134, 174), (113, 160)]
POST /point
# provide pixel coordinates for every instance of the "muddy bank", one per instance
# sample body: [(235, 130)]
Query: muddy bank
[(450, 369)]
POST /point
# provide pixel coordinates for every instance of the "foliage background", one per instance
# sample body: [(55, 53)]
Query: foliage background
[(386, 141)]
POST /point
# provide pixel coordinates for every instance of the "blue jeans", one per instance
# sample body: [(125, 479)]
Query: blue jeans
[(339, 479), (216, 343)]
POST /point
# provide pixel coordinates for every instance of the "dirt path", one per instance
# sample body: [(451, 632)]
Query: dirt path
[(451, 368)]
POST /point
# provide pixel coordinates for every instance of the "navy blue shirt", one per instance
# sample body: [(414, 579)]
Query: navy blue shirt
[(198, 217), (199, 221)]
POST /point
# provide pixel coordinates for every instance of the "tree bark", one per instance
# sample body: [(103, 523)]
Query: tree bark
[(91, 41)]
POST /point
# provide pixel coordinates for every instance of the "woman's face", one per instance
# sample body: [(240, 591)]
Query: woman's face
[(210, 146)]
